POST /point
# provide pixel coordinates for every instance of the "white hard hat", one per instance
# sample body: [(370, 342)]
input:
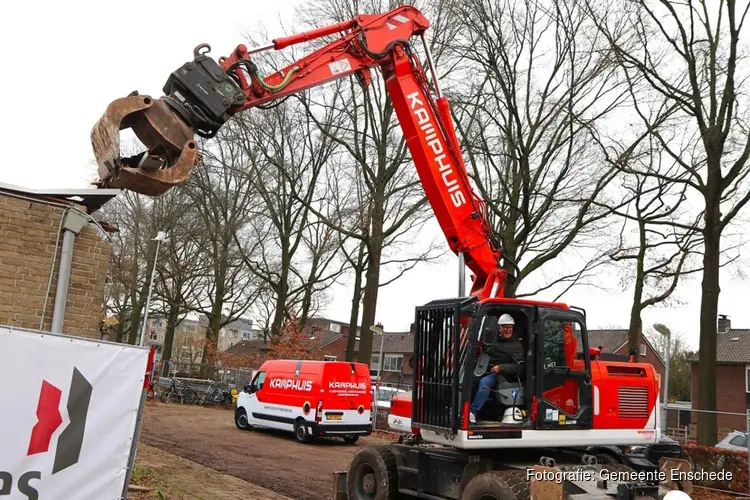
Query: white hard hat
[(506, 319)]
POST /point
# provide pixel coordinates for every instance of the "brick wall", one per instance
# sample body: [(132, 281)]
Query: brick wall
[(28, 230), (730, 394)]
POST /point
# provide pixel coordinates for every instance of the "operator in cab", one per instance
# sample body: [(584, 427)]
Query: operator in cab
[(504, 355)]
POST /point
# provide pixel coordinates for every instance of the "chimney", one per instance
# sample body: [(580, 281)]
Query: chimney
[(411, 328), (725, 324)]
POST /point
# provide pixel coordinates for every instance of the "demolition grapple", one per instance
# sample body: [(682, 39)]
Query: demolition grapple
[(197, 99)]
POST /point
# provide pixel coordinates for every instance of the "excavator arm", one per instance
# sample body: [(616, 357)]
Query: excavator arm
[(203, 94)]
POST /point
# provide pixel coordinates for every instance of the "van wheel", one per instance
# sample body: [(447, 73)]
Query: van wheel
[(372, 474), (301, 432), (240, 419), (351, 439)]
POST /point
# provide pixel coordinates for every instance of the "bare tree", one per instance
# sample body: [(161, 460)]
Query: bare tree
[(529, 80), (131, 261), (389, 199), (294, 254), (222, 196), (659, 254), (179, 269), (687, 56)]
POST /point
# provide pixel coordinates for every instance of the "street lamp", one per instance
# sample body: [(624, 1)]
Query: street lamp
[(662, 329), (160, 236), (379, 331)]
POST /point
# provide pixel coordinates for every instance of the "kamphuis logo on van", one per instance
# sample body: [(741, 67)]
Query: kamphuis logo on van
[(288, 383), (356, 386)]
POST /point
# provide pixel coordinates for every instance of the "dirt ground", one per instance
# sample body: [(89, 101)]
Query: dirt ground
[(207, 439), (178, 479), (270, 459)]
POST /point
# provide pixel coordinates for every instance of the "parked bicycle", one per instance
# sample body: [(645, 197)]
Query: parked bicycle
[(216, 393), (177, 391)]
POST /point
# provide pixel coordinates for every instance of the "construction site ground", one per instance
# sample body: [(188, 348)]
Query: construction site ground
[(192, 452), (208, 438)]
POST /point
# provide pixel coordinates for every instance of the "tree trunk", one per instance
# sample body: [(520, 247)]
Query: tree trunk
[(707, 430), (636, 324), (356, 298), (282, 292), (208, 364), (172, 316), (120, 330), (370, 302)]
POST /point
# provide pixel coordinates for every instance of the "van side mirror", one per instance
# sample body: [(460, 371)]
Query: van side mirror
[(488, 330)]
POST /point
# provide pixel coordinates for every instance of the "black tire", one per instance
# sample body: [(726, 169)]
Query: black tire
[(372, 474), (240, 419), (489, 486), (189, 396), (518, 483), (301, 431), (165, 395), (351, 439)]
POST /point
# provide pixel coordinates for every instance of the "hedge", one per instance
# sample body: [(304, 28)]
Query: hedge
[(711, 459)]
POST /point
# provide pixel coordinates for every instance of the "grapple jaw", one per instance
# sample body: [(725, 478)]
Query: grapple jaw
[(172, 153)]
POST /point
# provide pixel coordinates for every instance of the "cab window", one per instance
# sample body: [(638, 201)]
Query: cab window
[(258, 382)]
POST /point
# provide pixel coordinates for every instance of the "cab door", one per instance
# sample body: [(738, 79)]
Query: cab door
[(563, 382), (253, 405)]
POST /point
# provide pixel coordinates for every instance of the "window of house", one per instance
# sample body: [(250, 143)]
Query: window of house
[(374, 362), (234, 333), (747, 378), (393, 362), (153, 335), (643, 349), (329, 358), (188, 327), (335, 327), (245, 335)]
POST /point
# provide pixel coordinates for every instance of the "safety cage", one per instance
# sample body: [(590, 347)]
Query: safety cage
[(437, 362)]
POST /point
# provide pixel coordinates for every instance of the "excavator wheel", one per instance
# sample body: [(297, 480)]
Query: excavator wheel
[(372, 474), (493, 485)]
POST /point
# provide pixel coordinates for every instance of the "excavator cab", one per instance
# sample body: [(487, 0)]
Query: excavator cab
[(550, 390)]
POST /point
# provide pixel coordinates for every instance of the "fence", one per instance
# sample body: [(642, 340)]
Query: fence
[(729, 454), (232, 376)]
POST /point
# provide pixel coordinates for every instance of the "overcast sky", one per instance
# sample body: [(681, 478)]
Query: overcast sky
[(65, 61)]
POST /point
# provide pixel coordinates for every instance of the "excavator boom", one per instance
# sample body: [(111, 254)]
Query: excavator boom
[(203, 94)]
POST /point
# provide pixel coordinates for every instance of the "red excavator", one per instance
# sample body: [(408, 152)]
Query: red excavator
[(562, 397)]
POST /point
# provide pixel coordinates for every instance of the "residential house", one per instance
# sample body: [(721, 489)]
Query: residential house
[(397, 361), (732, 376), (327, 338), (236, 331), (187, 334)]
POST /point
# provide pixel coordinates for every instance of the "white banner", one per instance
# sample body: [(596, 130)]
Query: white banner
[(68, 411)]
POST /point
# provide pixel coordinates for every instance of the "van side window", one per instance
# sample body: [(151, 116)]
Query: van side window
[(258, 382)]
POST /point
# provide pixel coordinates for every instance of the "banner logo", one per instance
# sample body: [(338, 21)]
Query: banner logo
[(49, 419)]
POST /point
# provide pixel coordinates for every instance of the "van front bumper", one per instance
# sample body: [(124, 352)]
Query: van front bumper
[(340, 429)]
